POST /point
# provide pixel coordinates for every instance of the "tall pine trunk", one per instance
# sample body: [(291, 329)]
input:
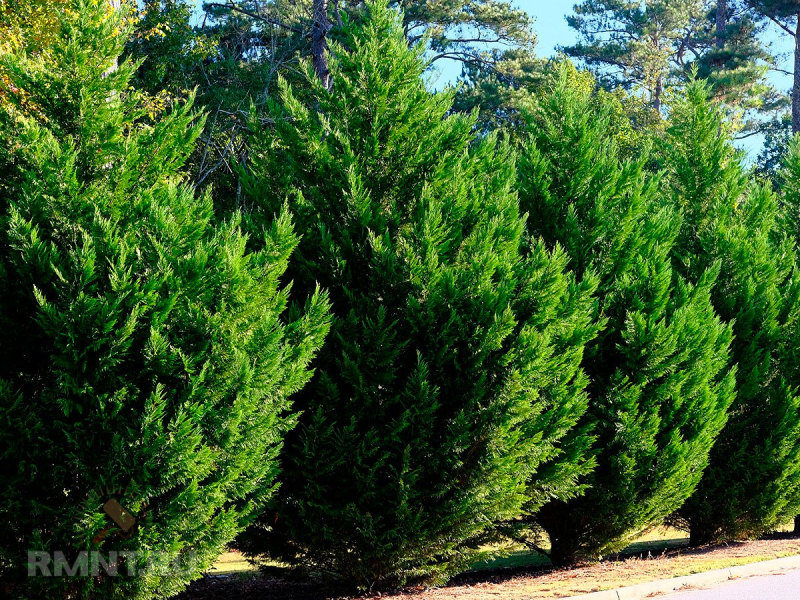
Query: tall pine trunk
[(659, 91), (721, 33), (319, 42), (796, 87), (722, 23)]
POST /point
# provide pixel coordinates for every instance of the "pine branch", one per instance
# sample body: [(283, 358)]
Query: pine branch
[(263, 18)]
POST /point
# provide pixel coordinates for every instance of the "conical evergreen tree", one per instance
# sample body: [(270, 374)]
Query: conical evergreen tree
[(754, 474), (789, 216), (144, 366), (659, 385), (451, 372)]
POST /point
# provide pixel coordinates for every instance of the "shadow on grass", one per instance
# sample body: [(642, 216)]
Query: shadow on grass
[(264, 586)]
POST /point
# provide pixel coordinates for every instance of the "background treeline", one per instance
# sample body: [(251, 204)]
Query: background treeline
[(260, 284)]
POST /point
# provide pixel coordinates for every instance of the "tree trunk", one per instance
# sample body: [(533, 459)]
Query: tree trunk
[(564, 551), (796, 87), (703, 533), (722, 23), (319, 42), (698, 538), (657, 95), (797, 525)]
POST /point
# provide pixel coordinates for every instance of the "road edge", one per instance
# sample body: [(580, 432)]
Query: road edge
[(708, 578)]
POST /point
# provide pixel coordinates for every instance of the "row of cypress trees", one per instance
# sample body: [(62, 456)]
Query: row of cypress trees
[(480, 341)]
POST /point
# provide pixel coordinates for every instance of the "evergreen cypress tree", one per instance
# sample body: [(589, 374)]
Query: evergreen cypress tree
[(659, 385), (789, 216), (451, 372), (144, 365), (754, 475)]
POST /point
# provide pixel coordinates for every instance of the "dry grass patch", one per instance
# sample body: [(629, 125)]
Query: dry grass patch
[(611, 574)]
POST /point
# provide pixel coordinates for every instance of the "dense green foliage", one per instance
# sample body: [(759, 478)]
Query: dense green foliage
[(659, 384), (754, 476), (562, 309), (451, 372), (143, 355)]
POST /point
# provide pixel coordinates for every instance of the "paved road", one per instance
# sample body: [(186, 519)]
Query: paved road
[(767, 587)]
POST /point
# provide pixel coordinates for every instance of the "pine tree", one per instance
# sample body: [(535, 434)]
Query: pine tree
[(754, 473), (777, 140), (145, 365), (635, 43), (457, 31), (451, 372), (655, 45), (501, 88), (733, 57), (659, 385)]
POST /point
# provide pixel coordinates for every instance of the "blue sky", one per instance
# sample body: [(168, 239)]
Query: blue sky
[(551, 26)]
